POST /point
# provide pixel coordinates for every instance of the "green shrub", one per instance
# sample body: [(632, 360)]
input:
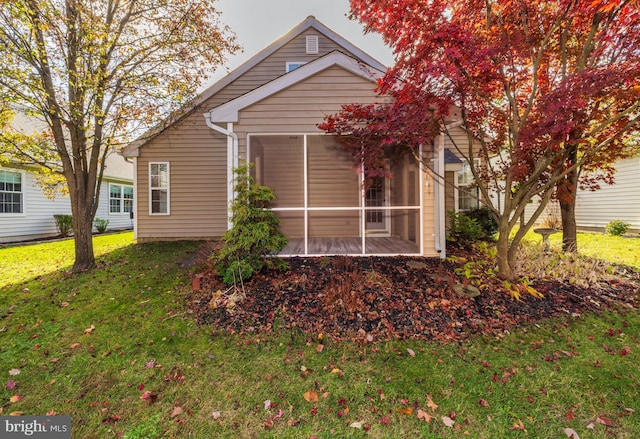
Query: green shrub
[(64, 224), (464, 229), (485, 218), (254, 240), (617, 228), (101, 224)]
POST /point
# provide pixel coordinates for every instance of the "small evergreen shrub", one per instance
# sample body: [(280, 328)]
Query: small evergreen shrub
[(464, 229), (254, 240), (64, 224), (101, 224), (487, 221), (617, 228)]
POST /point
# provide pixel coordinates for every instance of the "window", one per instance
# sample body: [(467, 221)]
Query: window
[(159, 188), (468, 193), (120, 199), (11, 195), (294, 65)]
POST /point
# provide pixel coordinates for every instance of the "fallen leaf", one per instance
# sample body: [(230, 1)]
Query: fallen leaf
[(448, 421), (518, 426), (216, 415), (75, 345), (16, 413), (319, 348), (411, 353), (52, 413), (605, 421), (591, 426), (14, 372), (356, 425), (90, 329), (571, 433), (310, 396), (268, 423), (175, 412), (150, 364), (483, 403), (11, 384), (424, 415), (432, 405), (15, 398), (267, 404), (407, 411), (149, 396)]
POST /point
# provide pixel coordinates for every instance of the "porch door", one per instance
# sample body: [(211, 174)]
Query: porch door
[(377, 221)]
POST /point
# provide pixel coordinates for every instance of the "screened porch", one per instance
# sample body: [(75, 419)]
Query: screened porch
[(322, 203)]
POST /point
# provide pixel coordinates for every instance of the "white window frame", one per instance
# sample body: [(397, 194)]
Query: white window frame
[(22, 193), (121, 198), (167, 188), (477, 162), (290, 66)]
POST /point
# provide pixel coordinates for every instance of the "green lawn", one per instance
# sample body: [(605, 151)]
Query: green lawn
[(116, 350)]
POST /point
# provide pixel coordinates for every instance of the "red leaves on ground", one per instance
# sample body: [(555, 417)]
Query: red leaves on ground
[(393, 301)]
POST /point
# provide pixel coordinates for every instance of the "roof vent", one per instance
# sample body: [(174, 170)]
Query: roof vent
[(312, 44)]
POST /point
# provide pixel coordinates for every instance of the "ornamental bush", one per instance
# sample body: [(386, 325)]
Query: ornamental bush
[(64, 224), (254, 240), (617, 228)]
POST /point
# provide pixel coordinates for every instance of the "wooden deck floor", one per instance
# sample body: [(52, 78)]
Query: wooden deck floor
[(350, 246)]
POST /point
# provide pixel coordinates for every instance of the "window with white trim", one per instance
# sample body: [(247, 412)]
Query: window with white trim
[(292, 65), (468, 193), (159, 188), (11, 192), (120, 198)]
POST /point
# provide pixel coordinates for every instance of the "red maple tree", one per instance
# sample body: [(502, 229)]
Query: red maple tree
[(548, 93)]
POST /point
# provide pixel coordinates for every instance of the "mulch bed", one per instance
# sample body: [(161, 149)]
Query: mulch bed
[(382, 298)]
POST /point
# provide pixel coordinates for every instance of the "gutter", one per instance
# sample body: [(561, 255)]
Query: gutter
[(232, 158)]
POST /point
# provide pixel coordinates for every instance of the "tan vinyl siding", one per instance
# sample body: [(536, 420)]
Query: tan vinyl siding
[(198, 183), (428, 216), (274, 66)]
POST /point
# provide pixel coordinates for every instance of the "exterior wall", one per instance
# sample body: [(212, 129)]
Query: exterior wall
[(197, 183), (36, 221), (274, 66), (117, 221), (594, 210)]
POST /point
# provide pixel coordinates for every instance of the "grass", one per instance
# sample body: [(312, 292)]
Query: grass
[(117, 351)]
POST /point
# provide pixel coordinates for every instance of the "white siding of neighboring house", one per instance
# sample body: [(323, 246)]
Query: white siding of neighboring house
[(36, 220), (621, 201)]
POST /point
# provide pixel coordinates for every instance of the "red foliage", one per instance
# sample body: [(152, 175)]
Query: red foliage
[(538, 78)]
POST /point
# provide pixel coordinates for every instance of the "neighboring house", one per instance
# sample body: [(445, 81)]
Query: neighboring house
[(619, 201), (266, 112), (27, 214)]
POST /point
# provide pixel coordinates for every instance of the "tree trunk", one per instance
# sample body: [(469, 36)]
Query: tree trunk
[(82, 227), (569, 229), (567, 199), (505, 264)]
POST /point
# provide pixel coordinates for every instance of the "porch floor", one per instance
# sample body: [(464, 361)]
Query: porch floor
[(351, 246)]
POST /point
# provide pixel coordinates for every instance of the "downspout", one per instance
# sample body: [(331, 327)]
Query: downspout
[(232, 159), (439, 196)]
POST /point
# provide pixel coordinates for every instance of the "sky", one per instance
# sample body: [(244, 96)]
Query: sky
[(257, 23)]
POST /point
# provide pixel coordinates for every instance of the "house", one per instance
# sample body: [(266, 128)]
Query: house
[(619, 201), (266, 112), (26, 213)]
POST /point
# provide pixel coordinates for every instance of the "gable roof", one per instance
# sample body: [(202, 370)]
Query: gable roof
[(228, 112), (308, 23)]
